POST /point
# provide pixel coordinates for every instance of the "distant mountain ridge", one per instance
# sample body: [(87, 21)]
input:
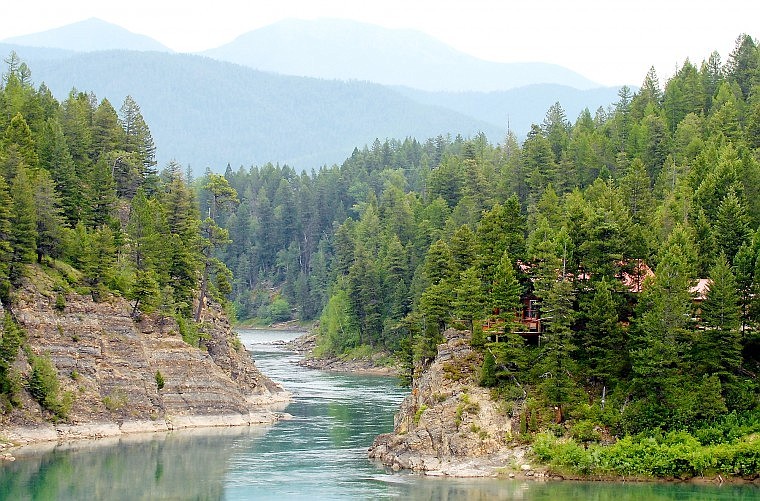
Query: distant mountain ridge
[(89, 35), (349, 50), (208, 113), (332, 49)]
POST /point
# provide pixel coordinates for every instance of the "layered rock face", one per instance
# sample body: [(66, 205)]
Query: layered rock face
[(449, 425), (111, 363)]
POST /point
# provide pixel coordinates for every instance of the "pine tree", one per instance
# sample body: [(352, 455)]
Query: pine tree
[(23, 223), (718, 348), (48, 216), (505, 290), (439, 263), (98, 260), (100, 196), (732, 225), (659, 346), (19, 135), (55, 156), (6, 242), (557, 362), (469, 297), (107, 133), (602, 338), (183, 241), (139, 140)]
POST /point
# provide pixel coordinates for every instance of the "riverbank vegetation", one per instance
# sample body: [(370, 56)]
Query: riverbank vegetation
[(730, 447)]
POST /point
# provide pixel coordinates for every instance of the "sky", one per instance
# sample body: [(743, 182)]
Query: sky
[(610, 42)]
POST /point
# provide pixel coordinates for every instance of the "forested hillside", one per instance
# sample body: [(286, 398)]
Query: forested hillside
[(82, 202), (547, 244), (205, 113)]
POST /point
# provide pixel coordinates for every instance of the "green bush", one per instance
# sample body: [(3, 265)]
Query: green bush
[(159, 380), (60, 302), (115, 401), (279, 310), (583, 431), (44, 387), (190, 331)]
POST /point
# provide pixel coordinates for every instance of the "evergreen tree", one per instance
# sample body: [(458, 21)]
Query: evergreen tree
[(107, 133), (55, 156), (139, 139), (557, 362), (659, 347), (19, 135), (602, 338), (183, 240), (731, 226), (718, 348), (48, 216), (23, 224), (469, 298), (6, 242), (505, 290)]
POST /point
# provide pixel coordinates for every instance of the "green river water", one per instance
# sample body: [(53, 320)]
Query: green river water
[(320, 454)]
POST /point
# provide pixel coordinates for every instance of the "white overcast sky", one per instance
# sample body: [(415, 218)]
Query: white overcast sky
[(608, 41)]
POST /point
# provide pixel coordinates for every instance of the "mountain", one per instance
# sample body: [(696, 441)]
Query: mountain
[(342, 49), (517, 108), (208, 113), (89, 35)]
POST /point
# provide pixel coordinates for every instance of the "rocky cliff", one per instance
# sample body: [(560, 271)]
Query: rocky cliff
[(449, 425), (124, 375)]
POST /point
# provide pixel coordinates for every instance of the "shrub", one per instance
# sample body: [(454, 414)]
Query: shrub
[(115, 400), (190, 331), (465, 407), (44, 387), (60, 302), (159, 380), (279, 310), (584, 431)]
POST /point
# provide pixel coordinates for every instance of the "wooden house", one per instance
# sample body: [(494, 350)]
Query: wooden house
[(632, 277)]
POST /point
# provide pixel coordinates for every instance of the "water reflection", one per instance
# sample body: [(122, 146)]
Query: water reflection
[(188, 464)]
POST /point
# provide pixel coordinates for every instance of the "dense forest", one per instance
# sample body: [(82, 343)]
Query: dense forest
[(607, 226), (608, 268), (82, 200)]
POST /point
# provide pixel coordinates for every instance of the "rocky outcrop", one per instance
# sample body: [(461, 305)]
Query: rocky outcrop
[(126, 375), (449, 425)]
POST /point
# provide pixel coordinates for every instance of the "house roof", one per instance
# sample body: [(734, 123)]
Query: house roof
[(700, 289), (633, 280), (632, 276)]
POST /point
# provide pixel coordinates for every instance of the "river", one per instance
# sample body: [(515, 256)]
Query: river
[(320, 454)]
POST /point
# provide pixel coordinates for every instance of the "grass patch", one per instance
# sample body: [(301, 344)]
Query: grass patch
[(115, 401), (418, 414), (466, 406)]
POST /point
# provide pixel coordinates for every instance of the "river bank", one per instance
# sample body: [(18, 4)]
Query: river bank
[(373, 365), (451, 426), (111, 374)]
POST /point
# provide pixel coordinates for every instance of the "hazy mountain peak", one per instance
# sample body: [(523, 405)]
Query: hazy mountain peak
[(89, 35), (351, 50)]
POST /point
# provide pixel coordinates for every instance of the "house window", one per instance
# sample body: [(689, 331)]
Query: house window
[(533, 308)]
